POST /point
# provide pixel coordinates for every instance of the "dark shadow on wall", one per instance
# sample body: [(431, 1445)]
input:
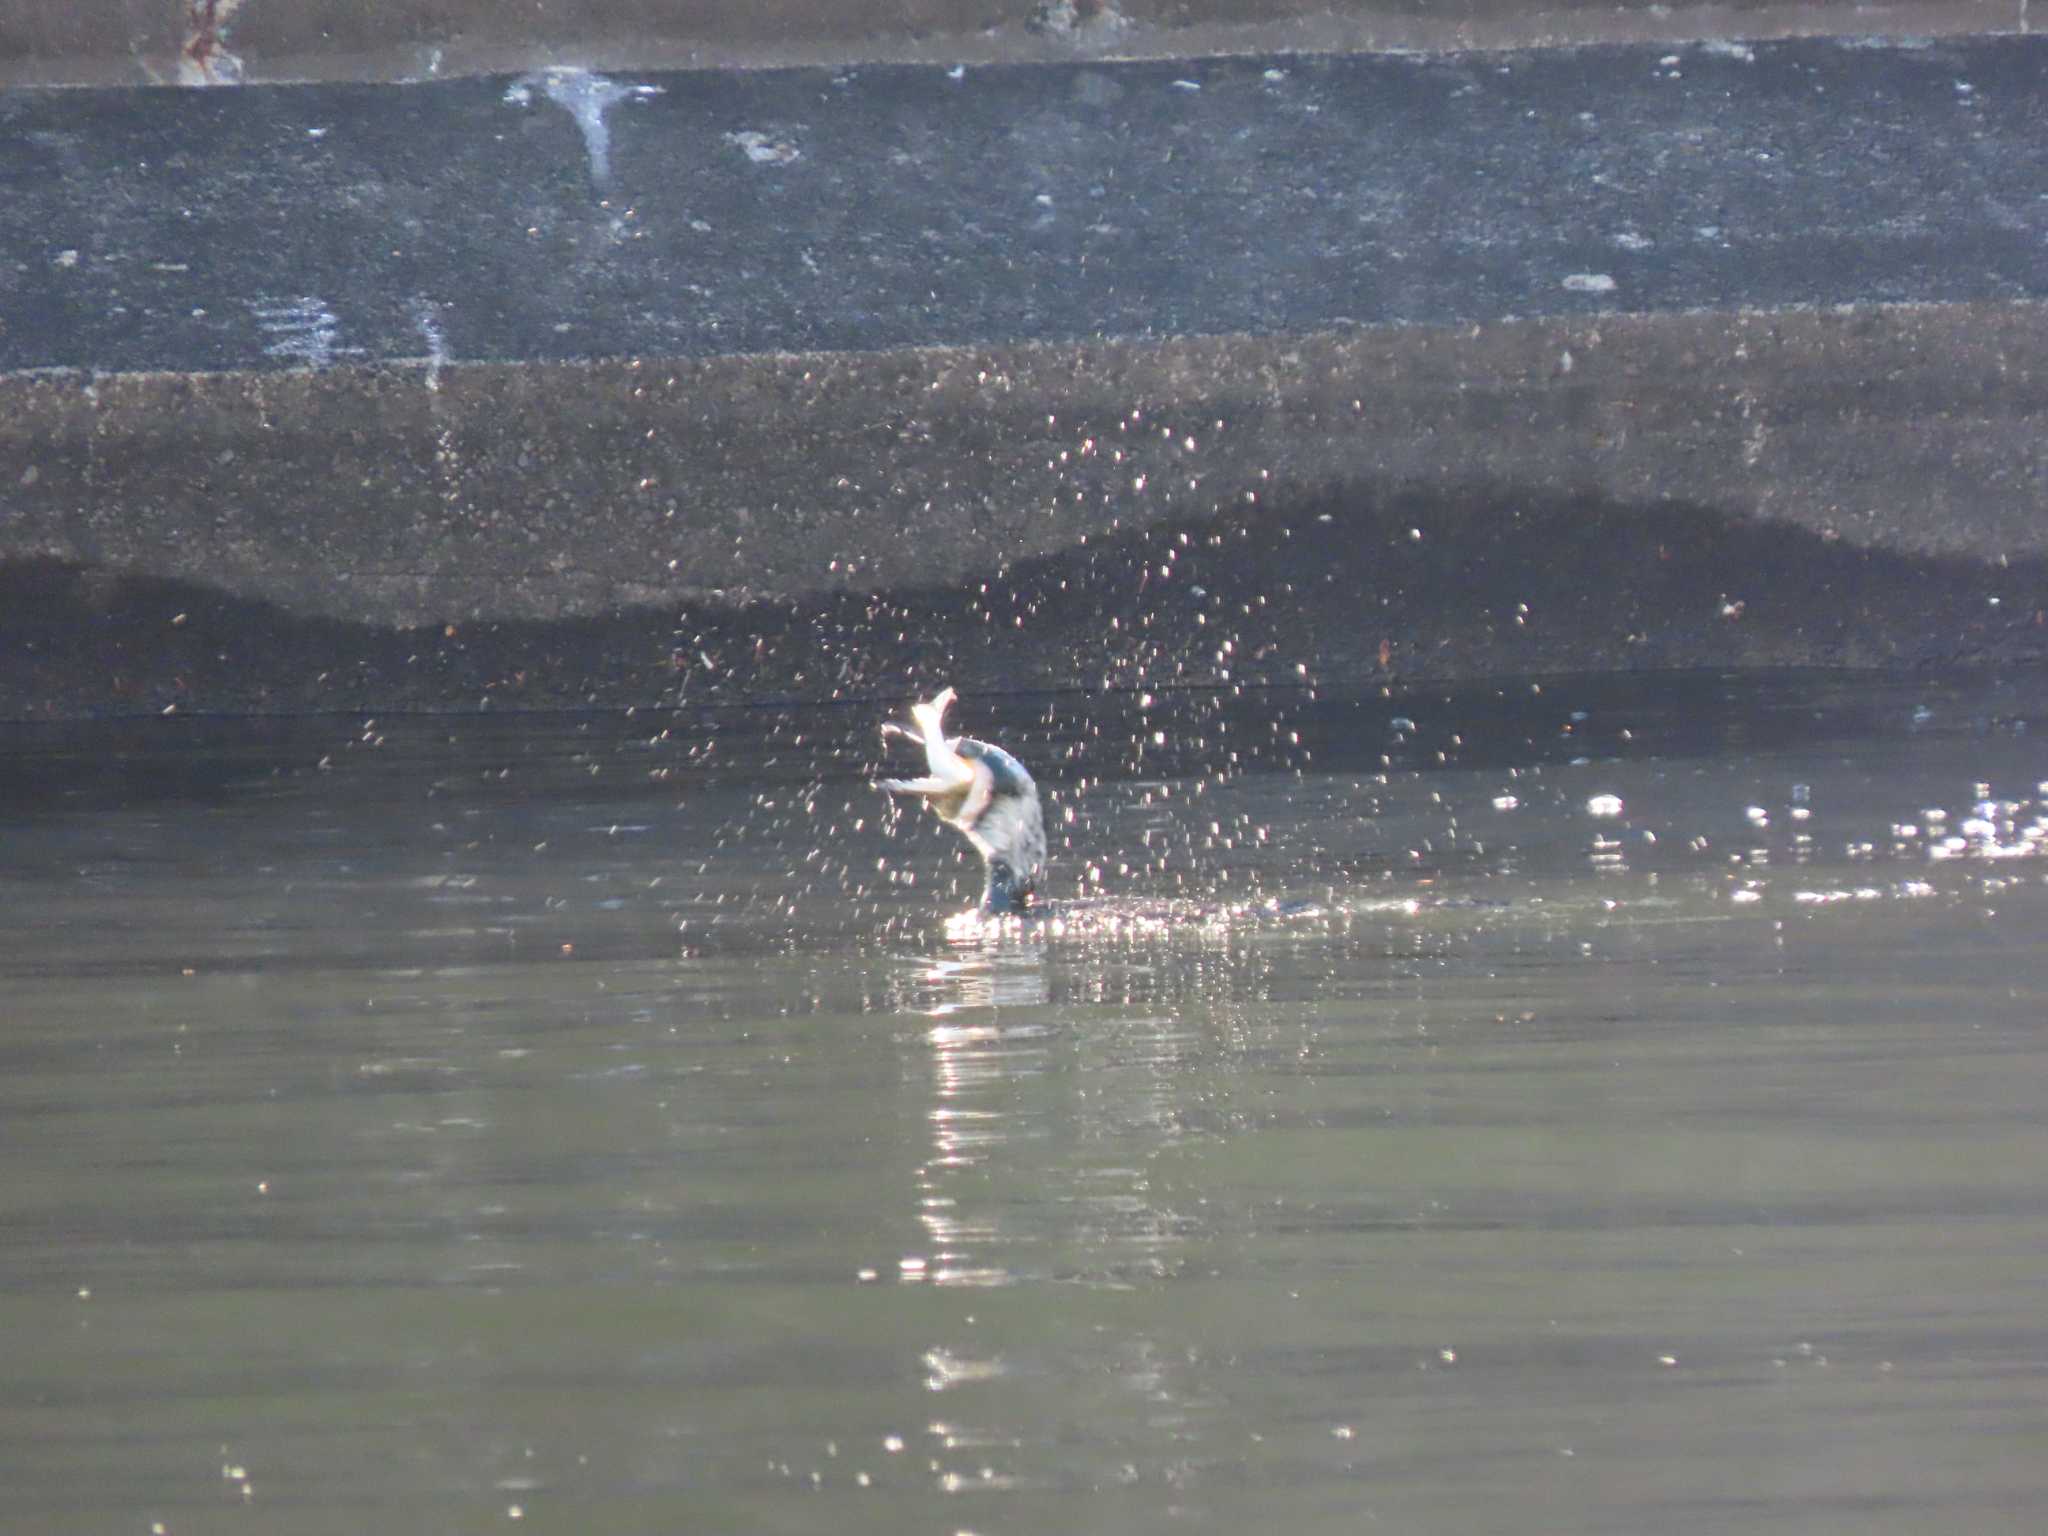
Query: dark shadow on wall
[(1344, 587)]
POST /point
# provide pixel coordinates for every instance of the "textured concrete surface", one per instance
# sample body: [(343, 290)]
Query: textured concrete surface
[(217, 42), (540, 491), (566, 216), (1333, 587), (1694, 491), (561, 387)]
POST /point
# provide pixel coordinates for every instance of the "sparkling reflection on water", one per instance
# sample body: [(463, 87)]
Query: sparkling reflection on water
[(1614, 1108)]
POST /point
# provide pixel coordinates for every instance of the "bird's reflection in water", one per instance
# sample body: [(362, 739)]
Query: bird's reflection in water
[(1048, 1111), (1049, 1108), (985, 1039)]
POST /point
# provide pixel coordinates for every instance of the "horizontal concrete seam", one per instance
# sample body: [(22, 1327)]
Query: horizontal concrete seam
[(1040, 347)]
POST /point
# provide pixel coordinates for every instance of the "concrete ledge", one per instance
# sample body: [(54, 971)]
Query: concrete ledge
[(1802, 489), (561, 490)]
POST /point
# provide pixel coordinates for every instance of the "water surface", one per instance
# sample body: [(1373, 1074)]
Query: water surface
[(1571, 1107)]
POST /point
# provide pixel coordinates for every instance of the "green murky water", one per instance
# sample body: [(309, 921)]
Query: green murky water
[(594, 1125)]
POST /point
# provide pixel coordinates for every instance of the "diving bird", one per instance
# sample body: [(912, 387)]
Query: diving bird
[(984, 792)]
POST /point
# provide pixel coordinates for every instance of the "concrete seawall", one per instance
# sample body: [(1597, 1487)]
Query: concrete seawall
[(563, 386)]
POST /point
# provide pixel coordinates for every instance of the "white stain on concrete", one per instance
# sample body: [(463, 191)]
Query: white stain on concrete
[(765, 148), (304, 330), (426, 316), (586, 97)]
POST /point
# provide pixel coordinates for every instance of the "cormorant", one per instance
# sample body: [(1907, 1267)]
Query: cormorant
[(984, 792)]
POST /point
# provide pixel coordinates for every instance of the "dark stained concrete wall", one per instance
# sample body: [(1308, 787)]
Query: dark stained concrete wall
[(539, 491), (566, 215), (1798, 489)]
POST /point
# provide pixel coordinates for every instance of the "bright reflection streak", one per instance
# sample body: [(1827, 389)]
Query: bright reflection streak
[(975, 1056)]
